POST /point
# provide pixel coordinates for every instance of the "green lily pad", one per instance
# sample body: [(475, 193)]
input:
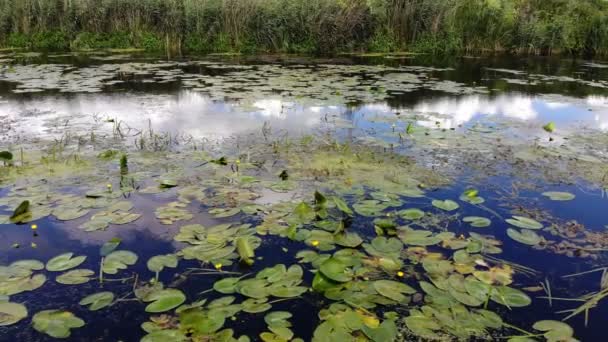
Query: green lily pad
[(165, 335), (64, 262), (370, 208), (11, 313), (118, 260), (510, 297), (109, 246), (75, 277), (68, 214), (393, 290), (253, 305), (555, 331), (56, 323), (341, 204), (226, 285), (527, 237), (159, 262), (287, 292), (477, 221), (550, 127), (411, 214), (335, 270), (387, 331), (524, 222), (98, 300), (559, 196), (164, 300), (447, 205)]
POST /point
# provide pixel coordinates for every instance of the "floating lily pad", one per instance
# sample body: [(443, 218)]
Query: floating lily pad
[(98, 300), (11, 313), (555, 331), (411, 214), (68, 214), (510, 297), (477, 221), (164, 300), (253, 305), (524, 222), (75, 277), (335, 270), (56, 323), (393, 290), (527, 237), (447, 205), (118, 260), (159, 262), (64, 262), (559, 196), (370, 208)]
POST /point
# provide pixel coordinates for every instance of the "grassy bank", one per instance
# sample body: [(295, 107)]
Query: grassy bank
[(577, 27)]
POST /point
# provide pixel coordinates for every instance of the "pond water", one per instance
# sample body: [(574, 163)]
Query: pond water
[(356, 198)]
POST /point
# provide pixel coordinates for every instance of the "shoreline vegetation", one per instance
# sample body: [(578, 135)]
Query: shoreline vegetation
[(536, 27)]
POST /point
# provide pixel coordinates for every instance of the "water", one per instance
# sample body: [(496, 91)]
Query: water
[(226, 106)]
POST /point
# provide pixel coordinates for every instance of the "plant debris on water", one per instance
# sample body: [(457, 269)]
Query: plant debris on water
[(418, 231)]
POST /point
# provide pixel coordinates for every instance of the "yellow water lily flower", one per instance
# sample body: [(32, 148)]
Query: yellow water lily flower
[(400, 274), (218, 266), (315, 243), (34, 226)]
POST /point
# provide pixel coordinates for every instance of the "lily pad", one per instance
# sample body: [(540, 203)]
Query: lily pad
[(56, 323), (335, 270), (447, 205), (393, 290), (559, 196), (11, 313), (64, 262), (524, 222), (98, 300), (159, 262), (527, 237), (118, 260), (75, 277), (555, 331), (164, 300), (477, 221)]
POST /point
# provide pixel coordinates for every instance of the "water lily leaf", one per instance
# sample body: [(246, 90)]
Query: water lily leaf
[(393, 290), (64, 262), (253, 288), (387, 331), (335, 270), (226, 285), (97, 301), (253, 305), (68, 214), (322, 283), (447, 205), (224, 212), (527, 237), (341, 204), (524, 222), (75, 277), (411, 214), (9, 288), (477, 221), (164, 300), (118, 260), (121, 217), (555, 331), (348, 239), (56, 323), (283, 332), (109, 246), (159, 262), (510, 297), (370, 208), (422, 326), (165, 335), (168, 183), (11, 313), (559, 196), (287, 292), (277, 317), (27, 264), (21, 213)]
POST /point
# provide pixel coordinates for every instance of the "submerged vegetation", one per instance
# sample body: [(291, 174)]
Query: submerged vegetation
[(320, 26)]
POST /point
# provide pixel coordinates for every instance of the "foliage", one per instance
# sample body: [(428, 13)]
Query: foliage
[(309, 26)]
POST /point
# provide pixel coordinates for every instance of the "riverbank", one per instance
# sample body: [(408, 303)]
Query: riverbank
[(321, 26)]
